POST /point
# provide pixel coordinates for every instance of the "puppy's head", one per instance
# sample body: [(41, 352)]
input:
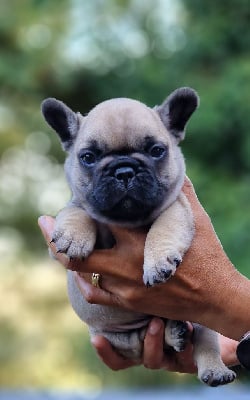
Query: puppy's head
[(124, 165)]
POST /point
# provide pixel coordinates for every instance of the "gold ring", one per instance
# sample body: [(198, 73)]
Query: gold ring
[(95, 280)]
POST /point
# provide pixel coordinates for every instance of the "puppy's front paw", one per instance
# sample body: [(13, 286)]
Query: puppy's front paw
[(73, 243), (159, 271)]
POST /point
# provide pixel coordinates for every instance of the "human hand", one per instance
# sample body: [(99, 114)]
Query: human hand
[(202, 290), (155, 358)]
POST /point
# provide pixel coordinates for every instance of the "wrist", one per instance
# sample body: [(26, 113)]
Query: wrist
[(243, 351)]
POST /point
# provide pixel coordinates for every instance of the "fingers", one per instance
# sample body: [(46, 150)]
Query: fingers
[(123, 236), (153, 353), (128, 251), (189, 191), (107, 257), (46, 225), (109, 356), (100, 261), (228, 348), (201, 217), (152, 358), (155, 357), (94, 295), (181, 362)]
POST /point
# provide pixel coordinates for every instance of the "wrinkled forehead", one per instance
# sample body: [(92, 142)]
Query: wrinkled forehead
[(121, 123)]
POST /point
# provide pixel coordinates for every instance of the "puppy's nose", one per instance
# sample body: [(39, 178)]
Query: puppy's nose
[(124, 174)]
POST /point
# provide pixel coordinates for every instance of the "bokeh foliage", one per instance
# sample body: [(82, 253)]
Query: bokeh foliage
[(84, 52)]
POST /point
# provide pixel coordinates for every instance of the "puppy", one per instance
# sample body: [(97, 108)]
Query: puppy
[(125, 167)]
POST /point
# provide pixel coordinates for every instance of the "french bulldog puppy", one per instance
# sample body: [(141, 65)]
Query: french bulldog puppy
[(125, 167)]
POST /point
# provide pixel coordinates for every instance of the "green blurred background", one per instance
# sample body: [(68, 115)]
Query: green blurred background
[(84, 52)]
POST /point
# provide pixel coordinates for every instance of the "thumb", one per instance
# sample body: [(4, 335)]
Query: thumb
[(189, 191), (46, 224)]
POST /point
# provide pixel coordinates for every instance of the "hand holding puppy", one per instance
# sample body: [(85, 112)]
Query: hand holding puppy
[(216, 295), (120, 268)]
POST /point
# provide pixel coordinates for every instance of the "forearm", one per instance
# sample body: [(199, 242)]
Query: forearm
[(228, 313), (238, 315)]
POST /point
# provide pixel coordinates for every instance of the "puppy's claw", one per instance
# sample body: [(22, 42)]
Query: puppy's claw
[(160, 276), (60, 251), (160, 270), (166, 273), (156, 282), (177, 262)]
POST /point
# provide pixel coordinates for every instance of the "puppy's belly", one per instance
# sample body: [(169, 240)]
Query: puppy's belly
[(103, 318)]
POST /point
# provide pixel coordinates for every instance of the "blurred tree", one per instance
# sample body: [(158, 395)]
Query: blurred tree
[(217, 53)]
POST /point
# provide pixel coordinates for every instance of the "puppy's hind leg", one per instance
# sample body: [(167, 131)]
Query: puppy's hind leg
[(211, 369)]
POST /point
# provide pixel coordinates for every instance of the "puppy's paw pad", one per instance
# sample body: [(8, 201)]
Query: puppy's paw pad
[(213, 377), (176, 334)]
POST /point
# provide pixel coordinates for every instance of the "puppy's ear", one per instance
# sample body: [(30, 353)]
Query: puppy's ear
[(62, 119), (177, 109)]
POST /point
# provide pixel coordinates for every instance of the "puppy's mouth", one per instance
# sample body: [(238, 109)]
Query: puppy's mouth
[(128, 209), (132, 203)]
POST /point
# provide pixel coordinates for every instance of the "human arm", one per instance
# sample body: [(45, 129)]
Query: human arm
[(206, 288)]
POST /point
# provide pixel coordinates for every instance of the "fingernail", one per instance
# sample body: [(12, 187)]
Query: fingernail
[(42, 222), (94, 340), (154, 327)]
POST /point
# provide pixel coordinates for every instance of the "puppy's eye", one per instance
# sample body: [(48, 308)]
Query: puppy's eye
[(88, 158), (157, 151)]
